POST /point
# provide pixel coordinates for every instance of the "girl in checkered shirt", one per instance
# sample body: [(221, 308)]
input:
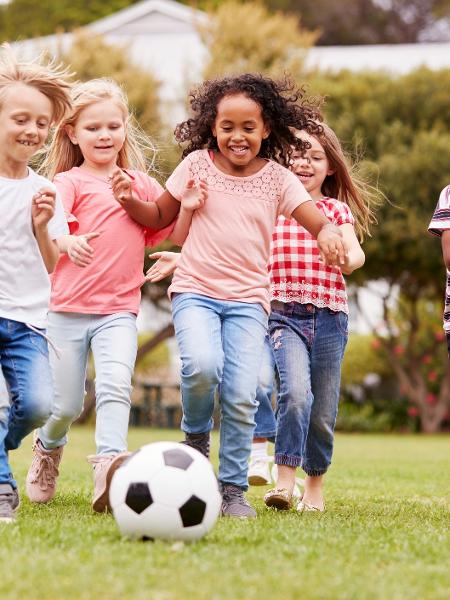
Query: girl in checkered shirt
[(307, 329)]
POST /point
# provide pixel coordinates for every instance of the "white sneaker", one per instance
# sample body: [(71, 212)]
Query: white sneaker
[(299, 483), (259, 471)]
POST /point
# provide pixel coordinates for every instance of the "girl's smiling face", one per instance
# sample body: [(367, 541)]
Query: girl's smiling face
[(239, 128), (311, 167), (100, 133)]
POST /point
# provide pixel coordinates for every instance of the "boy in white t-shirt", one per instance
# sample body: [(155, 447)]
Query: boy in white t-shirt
[(32, 98)]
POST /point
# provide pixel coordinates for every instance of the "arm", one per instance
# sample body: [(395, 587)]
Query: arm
[(42, 210), (194, 197), (332, 247), (355, 257), (445, 241), (156, 215)]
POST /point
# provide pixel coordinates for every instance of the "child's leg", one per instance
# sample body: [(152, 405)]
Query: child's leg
[(290, 335), (243, 332), (26, 368), (198, 328), (259, 471), (326, 358), (70, 334), (114, 346)]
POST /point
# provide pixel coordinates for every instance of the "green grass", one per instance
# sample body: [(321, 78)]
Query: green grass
[(385, 535)]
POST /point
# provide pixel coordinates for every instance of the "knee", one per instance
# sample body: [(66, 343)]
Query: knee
[(203, 371)]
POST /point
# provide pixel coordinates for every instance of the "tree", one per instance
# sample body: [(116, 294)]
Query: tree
[(268, 43), (403, 128)]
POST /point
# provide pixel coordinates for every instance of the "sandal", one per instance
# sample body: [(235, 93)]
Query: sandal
[(279, 498), (306, 507)]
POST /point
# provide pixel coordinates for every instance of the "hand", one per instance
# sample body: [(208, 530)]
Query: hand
[(164, 266), (121, 184), (333, 250), (194, 196), (78, 249), (43, 207)]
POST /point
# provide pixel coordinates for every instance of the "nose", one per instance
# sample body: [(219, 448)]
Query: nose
[(31, 129), (104, 134)]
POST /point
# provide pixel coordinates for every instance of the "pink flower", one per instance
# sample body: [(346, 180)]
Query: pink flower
[(431, 398), (399, 350), (413, 411), (427, 359), (432, 376)]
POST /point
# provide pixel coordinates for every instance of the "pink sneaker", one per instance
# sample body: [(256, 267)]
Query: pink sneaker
[(104, 466), (43, 473)]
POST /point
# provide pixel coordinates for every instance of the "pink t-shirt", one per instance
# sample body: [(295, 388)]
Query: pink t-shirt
[(112, 282), (226, 253)]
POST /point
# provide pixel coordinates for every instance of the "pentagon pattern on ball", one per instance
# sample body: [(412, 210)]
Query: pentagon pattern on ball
[(138, 497), (177, 458), (192, 512)]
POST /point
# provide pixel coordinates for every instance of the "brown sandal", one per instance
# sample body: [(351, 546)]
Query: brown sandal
[(278, 498)]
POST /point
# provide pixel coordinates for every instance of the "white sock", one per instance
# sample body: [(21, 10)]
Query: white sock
[(259, 450)]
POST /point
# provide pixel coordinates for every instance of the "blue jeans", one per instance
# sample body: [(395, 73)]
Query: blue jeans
[(113, 340), (26, 369), (265, 418), (220, 344), (308, 345)]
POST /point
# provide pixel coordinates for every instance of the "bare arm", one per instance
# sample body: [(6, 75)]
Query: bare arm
[(157, 214), (48, 248), (42, 210), (355, 257), (445, 241), (332, 247)]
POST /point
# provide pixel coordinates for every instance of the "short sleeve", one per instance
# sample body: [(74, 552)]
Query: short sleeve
[(177, 182), (149, 191), (342, 214), (441, 217), (67, 192), (292, 194), (57, 226)]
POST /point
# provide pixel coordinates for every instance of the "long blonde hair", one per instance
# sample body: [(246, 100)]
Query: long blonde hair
[(62, 154), (346, 184), (50, 79)]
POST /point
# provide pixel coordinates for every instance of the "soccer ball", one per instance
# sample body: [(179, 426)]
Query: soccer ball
[(165, 491)]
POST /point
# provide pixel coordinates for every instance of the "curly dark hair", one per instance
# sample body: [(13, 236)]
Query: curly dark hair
[(284, 107)]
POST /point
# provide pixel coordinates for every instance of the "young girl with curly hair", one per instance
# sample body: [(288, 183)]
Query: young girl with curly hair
[(239, 128)]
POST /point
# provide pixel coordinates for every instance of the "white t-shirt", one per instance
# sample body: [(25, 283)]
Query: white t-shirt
[(24, 281)]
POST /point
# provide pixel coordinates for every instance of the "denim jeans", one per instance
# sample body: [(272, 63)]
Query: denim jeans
[(265, 418), (25, 366), (113, 340), (220, 344), (308, 345)]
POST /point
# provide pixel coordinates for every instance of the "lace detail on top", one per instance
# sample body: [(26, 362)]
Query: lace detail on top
[(266, 184), (307, 293)]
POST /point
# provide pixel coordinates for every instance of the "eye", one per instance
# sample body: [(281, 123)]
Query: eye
[(42, 124), (20, 120), (91, 128), (226, 128)]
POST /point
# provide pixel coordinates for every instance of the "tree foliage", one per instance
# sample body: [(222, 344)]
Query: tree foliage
[(264, 42)]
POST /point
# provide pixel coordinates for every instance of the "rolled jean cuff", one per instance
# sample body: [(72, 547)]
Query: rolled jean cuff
[(314, 472), (288, 461)]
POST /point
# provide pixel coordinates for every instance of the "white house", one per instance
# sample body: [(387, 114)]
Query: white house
[(162, 36)]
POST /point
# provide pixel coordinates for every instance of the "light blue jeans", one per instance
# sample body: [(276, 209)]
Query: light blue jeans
[(25, 366), (113, 340), (266, 424), (308, 345), (220, 345)]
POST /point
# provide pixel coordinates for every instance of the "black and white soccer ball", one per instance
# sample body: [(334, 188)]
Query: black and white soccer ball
[(165, 491)]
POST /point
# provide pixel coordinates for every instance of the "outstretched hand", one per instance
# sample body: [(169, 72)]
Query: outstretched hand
[(165, 265), (194, 196), (79, 250)]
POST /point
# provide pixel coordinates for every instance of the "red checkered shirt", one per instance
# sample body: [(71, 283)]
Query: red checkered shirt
[(296, 272)]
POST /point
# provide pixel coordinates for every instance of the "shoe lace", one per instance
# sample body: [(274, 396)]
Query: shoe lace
[(232, 494), (46, 472)]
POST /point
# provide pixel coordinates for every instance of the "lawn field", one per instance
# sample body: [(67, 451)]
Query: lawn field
[(385, 535)]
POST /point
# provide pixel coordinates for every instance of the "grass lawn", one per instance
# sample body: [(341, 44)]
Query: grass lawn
[(386, 534)]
